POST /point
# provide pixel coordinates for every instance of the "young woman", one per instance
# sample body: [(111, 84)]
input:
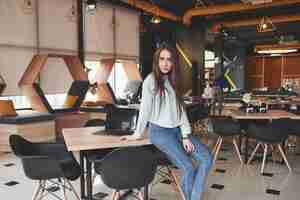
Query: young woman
[(169, 129)]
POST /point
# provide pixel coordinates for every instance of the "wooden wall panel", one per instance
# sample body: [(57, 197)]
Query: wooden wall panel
[(254, 82), (291, 66), (255, 66), (266, 71), (272, 72)]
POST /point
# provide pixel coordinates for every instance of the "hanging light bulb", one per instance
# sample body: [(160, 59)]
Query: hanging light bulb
[(27, 6), (72, 13), (91, 6), (266, 25), (155, 20), (2, 84)]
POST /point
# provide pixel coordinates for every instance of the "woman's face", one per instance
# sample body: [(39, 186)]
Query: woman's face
[(165, 61)]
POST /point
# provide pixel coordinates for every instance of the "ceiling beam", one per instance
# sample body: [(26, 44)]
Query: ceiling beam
[(153, 9), (234, 7), (253, 22)]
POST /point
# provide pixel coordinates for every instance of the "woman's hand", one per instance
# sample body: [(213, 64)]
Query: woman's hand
[(129, 137), (188, 145)]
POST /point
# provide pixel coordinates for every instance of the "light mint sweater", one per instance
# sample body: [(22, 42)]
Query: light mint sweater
[(166, 116)]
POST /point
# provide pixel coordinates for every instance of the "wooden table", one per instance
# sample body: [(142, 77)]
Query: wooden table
[(79, 139), (83, 140), (270, 114)]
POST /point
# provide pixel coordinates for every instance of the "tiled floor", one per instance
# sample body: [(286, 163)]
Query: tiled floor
[(227, 181)]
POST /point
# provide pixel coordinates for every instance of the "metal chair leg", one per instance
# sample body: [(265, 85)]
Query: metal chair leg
[(72, 189), (284, 157), (37, 190), (43, 186)]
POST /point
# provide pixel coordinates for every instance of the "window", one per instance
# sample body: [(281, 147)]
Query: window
[(118, 79), (20, 102), (209, 64)]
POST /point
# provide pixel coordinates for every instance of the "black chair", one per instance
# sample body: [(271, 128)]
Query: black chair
[(44, 162), (225, 127), (269, 134), (128, 168), (293, 126)]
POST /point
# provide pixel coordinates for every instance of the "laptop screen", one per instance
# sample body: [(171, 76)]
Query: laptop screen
[(121, 119)]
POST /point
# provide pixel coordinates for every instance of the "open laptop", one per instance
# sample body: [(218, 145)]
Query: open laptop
[(120, 122)]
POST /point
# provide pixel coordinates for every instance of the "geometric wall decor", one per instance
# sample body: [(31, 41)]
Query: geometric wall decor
[(102, 75), (31, 74)]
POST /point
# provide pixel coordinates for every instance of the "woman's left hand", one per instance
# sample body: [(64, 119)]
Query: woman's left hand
[(188, 145)]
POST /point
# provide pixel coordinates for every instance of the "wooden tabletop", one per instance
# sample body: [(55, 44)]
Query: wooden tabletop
[(270, 114), (84, 139)]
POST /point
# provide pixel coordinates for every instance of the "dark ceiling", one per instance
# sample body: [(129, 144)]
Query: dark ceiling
[(246, 34)]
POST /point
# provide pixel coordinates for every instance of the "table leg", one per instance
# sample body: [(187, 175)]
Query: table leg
[(246, 149), (146, 190), (82, 178), (89, 184)]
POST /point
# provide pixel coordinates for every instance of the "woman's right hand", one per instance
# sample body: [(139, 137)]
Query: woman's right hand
[(129, 137)]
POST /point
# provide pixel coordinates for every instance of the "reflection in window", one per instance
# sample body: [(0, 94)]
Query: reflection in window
[(118, 79), (20, 102)]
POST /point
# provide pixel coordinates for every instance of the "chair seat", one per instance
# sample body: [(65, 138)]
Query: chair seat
[(225, 127), (267, 133)]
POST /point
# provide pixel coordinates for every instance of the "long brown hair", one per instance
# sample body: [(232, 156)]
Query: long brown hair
[(173, 75)]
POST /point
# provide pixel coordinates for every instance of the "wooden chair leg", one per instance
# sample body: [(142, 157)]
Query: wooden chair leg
[(64, 189), (73, 189), (216, 145), (264, 159), (37, 190), (43, 186), (218, 150), (237, 151), (113, 196), (253, 153), (284, 157), (140, 195), (176, 184)]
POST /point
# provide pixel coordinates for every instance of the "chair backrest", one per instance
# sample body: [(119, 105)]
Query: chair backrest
[(274, 132), (42, 161), (79, 88), (127, 168), (225, 125), (20, 146)]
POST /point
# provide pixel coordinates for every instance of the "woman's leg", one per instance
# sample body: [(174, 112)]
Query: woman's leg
[(167, 140), (204, 159)]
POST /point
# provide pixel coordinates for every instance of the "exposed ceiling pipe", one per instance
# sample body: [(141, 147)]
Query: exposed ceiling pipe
[(227, 8), (151, 8), (253, 22)]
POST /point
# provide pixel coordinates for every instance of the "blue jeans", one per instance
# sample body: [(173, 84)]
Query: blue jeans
[(169, 141)]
